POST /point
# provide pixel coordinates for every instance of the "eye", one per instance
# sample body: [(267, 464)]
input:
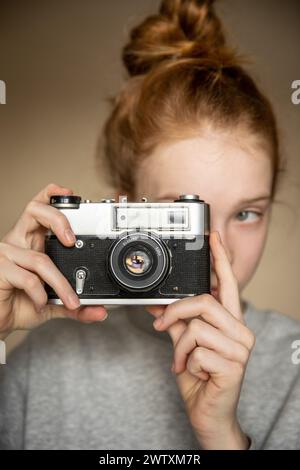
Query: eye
[(244, 215)]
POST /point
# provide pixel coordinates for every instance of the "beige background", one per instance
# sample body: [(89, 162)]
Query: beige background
[(61, 60)]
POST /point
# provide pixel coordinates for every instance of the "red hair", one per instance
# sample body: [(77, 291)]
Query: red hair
[(182, 75)]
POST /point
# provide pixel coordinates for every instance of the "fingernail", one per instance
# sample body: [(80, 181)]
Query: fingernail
[(70, 236), (102, 319), (74, 300), (219, 238)]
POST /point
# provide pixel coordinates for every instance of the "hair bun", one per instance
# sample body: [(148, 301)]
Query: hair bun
[(187, 28)]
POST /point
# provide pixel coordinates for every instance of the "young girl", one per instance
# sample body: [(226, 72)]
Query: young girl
[(190, 120)]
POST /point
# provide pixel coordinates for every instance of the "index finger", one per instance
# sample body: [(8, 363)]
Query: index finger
[(175, 330), (51, 189), (39, 213), (228, 286)]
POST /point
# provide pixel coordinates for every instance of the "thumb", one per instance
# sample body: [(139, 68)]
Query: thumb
[(85, 314)]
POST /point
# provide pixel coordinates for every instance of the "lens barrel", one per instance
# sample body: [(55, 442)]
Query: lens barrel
[(139, 262)]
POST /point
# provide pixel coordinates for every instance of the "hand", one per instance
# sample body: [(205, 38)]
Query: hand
[(211, 349), (24, 267)]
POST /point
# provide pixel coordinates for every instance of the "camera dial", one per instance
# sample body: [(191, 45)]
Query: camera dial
[(65, 202), (188, 198)]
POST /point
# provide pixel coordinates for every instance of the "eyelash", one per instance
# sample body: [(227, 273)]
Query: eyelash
[(258, 214)]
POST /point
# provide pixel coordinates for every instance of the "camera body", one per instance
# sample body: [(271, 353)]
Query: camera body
[(133, 252)]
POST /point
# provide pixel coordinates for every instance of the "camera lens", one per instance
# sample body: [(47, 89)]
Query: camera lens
[(139, 261)]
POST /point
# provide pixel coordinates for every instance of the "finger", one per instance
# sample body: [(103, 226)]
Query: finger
[(211, 311), (200, 333), (89, 314), (51, 189), (16, 235), (194, 366), (223, 372), (175, 330), (41, 264), (84, 314), (228, 286), (38, 214), (12, 276), (155, 310)]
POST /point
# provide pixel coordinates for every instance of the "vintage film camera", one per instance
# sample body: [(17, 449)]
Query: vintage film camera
[(133, 252)]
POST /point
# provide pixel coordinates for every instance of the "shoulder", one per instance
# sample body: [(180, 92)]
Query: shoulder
[(273, 329), (271, 318)]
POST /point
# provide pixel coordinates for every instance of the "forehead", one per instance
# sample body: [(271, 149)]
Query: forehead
[(231, 164)]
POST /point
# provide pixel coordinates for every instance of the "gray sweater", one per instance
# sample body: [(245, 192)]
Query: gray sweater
[(109, 386)]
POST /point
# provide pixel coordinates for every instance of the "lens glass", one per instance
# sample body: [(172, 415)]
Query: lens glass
[(137, 261)]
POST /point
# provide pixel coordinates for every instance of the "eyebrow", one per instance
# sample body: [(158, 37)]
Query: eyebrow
[(242, 201), (255, 199)]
